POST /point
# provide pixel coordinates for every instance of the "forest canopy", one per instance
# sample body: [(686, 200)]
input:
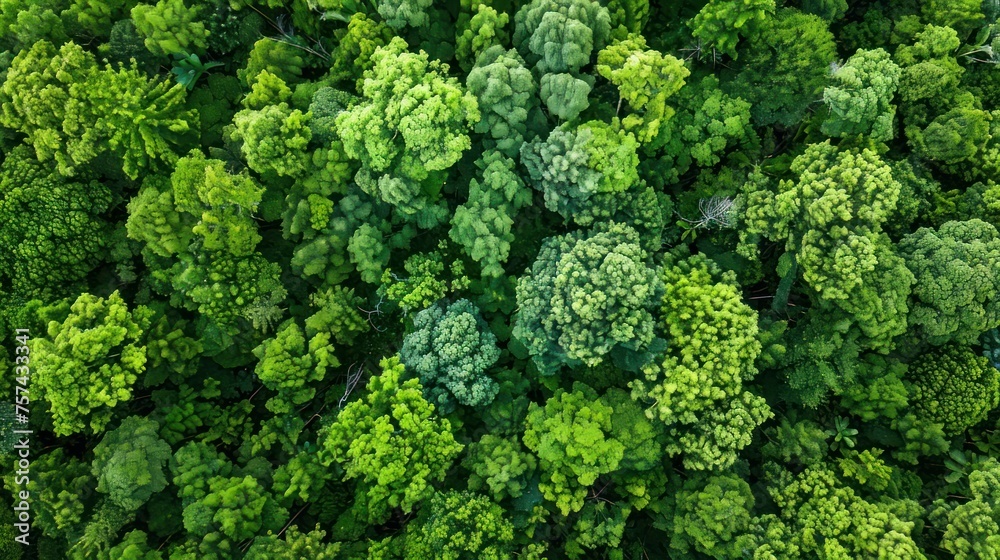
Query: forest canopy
[(500, 279)]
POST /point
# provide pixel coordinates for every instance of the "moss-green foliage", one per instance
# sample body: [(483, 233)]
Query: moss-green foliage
[(506, 94), (129, 463), (569, 317), (52, 231), (957, 286), (460, 525), (860, 100), (953, 386), (784, 67), (450, 350)]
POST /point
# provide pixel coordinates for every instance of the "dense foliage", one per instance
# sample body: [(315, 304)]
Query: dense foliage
[(498, 280)]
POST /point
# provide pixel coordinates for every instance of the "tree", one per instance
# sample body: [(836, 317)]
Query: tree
[(707, 124), (828, 517), (485, 30), (557, 39), (392, 442), (506, 95), (711, 511), (972, 529), (860, 100), (296, 544), (170, 27), (274, 137), (831, 219), (72, 111), (233, 508), (411, 125), (646, 79), (129, 461), (483, 224), (956, 289), (52, 232), (587, 297), (398, 14), (572, 437), (500, 465), (712, 343), (456, 525), (576, 165), (36, 98), (784, 67), (450, 349), (953, 386), (89, 362), (289, 363), (720, 23)]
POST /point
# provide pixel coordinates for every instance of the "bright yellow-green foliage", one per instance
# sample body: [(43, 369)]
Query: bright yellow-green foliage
[(289, 362), (203, 223), (720, 23), (89, 362), (459, 525), (392, 442), (72, 111), (295, 544), (38, 96), (973, 527), (450, 349), (953, 386), (572, 437), (712, 343), (234, 507), (357, 44), (141, 121), (829, 519), (697, 388), (829, 214), (500, 465), (957, 290), (715, 440), (860, 99), (588, 295), (274, 139), (129, 463), (486, 29), (170, 27), (646, 79), (412, 123), (831, 218)]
